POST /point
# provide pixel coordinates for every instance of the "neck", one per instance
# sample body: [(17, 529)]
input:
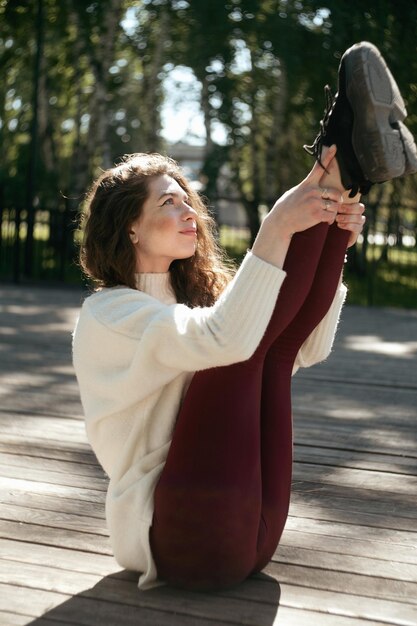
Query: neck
[(156, 284)]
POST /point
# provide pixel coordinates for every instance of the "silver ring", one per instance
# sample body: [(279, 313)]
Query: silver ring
[(325, 193)]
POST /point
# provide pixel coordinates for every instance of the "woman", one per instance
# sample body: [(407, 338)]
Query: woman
[(185, 372)]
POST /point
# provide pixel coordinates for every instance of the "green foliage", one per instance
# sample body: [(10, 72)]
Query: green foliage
[(386, 283)]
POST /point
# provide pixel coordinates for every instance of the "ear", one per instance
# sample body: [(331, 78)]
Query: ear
[(133, 235)]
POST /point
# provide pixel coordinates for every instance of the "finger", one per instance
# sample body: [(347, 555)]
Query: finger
[(317, 171), (351, 222), (353, 237), (328, 215), (354, 208), (350, 217), (330, 194)]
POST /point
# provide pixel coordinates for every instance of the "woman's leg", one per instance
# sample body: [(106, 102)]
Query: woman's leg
[(276, 424), (209, 497)]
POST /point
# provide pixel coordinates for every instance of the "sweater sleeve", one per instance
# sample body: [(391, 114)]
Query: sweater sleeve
[(128, 335), (318, 345)]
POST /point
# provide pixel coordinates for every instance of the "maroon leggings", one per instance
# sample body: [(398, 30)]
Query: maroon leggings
[(222, 499)]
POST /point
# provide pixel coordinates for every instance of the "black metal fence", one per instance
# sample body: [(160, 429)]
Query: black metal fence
[(38, 247), (42, 247)]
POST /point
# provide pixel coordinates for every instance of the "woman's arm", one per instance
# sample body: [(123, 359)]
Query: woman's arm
[(298, 209)]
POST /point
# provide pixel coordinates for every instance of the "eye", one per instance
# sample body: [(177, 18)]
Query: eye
[(168, 201)]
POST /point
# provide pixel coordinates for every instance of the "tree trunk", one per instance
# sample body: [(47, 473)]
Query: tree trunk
[(152, 83), (33, 154), (101, 56)]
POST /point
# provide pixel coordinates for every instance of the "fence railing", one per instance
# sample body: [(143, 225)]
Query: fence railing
[(381, 269), (38, 249)]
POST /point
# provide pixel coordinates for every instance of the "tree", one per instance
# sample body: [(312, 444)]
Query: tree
[(261, 64)]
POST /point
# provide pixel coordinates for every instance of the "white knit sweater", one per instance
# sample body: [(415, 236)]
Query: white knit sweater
[(135, 352)]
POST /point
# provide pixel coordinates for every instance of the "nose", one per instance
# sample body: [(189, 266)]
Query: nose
[(188, 212)]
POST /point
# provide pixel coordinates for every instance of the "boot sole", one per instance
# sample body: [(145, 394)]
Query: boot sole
[(377, 105)]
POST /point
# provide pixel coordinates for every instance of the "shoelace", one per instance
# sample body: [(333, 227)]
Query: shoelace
[(317, 146)]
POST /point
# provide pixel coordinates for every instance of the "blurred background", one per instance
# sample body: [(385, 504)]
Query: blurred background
[(231, 89)]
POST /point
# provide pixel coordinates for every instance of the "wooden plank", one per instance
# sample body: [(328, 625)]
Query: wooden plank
[(30, 602), (395, 538), (384, 442), (358, 479), (96, 483), (62, 558), (357, 424), (345, 406), (59, 404), (362, 500), (337, 455), (362, 608), (53, 503), (45, 578), (354, 546), (60, 398), (371, 437), (45, 428), (58, 491), (49, 447), (307, 557), (63, 538), (371, 586), (297, 617), (53, 519), (349, 516), (340, 411), (12, 619), (71, 468), (339, 375), (47, 450), (377, 370), (343, 371)]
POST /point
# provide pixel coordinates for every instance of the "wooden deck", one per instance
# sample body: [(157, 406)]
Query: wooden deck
[(348, 554)]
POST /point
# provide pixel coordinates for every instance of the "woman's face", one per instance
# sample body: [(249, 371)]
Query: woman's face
[(166, 229)]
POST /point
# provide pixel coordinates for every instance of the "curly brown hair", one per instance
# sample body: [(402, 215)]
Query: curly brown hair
[(115, 201)]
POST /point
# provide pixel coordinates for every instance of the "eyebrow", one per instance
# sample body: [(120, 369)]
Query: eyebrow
[(171, 193)]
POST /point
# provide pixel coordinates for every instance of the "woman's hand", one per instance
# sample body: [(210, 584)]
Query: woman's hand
[(350, 217), (307, 204), (300, 208)]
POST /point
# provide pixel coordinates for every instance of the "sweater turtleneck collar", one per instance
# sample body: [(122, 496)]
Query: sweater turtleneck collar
[(157, 285)]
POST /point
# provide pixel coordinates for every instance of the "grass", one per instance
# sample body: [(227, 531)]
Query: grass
[(391, 283), (386, 284)]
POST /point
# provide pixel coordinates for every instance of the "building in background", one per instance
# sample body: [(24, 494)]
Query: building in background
[(226, 206)]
